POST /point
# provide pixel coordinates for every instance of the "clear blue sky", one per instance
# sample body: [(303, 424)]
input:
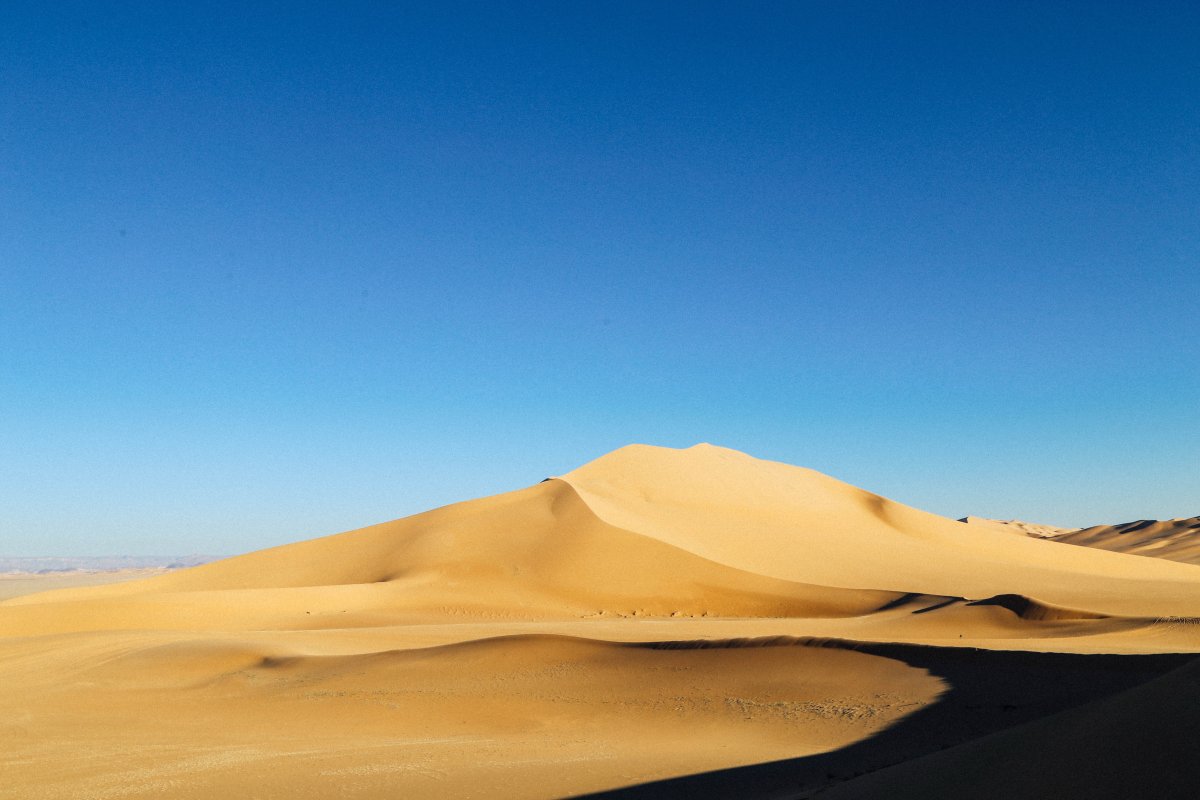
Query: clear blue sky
[(275, 270)]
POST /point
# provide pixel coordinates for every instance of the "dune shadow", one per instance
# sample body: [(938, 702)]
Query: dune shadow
[(987, 691)]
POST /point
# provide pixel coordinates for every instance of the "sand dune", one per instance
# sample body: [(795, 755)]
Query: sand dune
[(550, 641), (796, 524), (1173, 539), (536, 553)]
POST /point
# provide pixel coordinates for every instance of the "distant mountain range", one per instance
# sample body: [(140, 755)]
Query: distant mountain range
[(45, 564)]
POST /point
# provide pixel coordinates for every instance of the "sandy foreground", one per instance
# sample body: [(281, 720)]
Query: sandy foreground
[(657, 623)]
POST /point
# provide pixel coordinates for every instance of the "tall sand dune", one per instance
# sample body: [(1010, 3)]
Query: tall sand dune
[(652, 615), (796, 524)]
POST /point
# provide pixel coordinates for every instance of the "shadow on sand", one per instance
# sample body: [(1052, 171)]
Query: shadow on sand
[(987, 691)]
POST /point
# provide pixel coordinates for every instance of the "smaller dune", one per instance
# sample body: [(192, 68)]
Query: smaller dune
[(1172, 539)]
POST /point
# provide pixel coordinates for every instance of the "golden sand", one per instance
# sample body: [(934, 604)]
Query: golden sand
[(654, 614)]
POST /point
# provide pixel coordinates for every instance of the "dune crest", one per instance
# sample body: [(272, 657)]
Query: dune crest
[(1033, 529)]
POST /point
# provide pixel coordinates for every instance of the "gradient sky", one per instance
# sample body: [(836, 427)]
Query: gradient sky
[(272, 271)]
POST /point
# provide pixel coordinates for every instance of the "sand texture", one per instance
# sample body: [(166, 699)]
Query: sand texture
[(656, 623)]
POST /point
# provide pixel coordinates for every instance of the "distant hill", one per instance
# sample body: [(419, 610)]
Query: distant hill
[(45, 564)]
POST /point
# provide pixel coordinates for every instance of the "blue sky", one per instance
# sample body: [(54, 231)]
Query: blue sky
[(271, 271)]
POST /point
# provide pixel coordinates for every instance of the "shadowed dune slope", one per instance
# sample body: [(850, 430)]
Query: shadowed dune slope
[(986, 692), (1140, 743)]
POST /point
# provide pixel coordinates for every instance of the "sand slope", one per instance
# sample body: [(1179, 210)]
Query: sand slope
[(552, 641)]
